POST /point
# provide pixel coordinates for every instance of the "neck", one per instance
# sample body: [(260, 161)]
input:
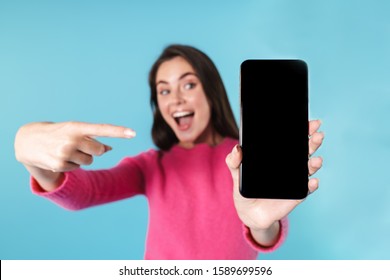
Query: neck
[(212, 139)]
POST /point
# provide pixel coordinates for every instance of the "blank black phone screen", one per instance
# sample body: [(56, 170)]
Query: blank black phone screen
[(274, 124)]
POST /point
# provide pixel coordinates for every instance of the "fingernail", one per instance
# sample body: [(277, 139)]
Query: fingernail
[(107, 148), (129, 132)]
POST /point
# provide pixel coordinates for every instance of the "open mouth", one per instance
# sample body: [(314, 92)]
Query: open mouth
[(183, 118)]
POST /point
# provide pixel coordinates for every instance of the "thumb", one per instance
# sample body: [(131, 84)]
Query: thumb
[(233, 160)]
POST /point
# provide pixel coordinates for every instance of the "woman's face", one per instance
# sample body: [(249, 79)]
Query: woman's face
[(183, 103)]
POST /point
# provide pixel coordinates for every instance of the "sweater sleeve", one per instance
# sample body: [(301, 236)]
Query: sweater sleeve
[(85, 188), (281, 238)]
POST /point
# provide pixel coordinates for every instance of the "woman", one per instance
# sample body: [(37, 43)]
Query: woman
[(188, 180)]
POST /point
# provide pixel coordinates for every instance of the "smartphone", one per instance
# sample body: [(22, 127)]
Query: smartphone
[(274, 128)]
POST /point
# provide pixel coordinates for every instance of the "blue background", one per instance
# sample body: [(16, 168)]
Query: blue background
[(89, 60)]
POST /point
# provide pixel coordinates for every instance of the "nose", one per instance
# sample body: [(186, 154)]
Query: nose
[(177, 96)]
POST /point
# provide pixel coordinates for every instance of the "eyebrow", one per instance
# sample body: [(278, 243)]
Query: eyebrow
[(180, 78)]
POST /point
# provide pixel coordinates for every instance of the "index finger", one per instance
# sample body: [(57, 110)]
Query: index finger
[(106, 130), (314, 126)]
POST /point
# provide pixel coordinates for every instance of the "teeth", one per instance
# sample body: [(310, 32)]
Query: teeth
[(181, 114)]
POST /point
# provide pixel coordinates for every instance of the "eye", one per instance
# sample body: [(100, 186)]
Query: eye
[(164, 92), (189, 86)]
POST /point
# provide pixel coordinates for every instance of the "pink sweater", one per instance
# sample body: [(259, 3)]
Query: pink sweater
[(192, 215)]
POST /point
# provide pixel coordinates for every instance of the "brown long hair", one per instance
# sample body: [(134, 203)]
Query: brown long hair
[(222, 117)]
